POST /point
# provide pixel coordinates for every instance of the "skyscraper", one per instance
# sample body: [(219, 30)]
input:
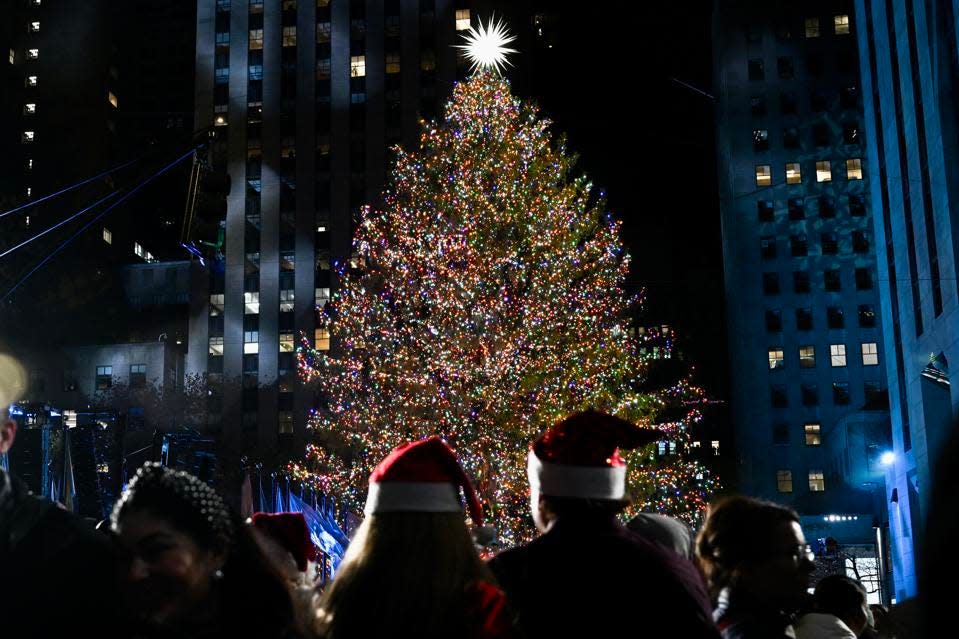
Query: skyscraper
[(303, 99), (807, 359), (910, 74)]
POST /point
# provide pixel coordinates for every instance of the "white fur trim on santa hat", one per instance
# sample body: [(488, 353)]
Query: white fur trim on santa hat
[(412, 496), (585, 482)]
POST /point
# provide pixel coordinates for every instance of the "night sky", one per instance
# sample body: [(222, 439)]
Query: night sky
[(610, 83)]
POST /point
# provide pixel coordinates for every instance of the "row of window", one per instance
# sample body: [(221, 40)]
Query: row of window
[(811, 28), (764, 175), (837, 356), (818, 101), (812, 434), (799, 247), (251, 342), (784, 481), (796, 206), (835, 318), (832, 281), (809, 394), (251, 301), (104, 376), (822, 136)]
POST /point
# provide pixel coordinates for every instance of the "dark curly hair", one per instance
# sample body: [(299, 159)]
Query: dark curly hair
[(737, 532)]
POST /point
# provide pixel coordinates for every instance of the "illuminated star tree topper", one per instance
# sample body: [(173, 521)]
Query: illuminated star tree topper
[(485, 47)]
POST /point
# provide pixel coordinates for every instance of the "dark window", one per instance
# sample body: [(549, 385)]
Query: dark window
[(840, 393), (777, 396), (757, 105), (835, 317), (801, 281), (797, 245), (810, 394), (814, 65), (831, 280), (765, 210), (873, 394), (856, 206), (767, 247), (781, 434), (774, 321), (787, 103), (797, 208), (867, 316), (250, 399), (860, 243), (791, 137), (784, 65), (804, 319), (104, 378), (753, 33), (850, 134), (138, 375), (827, 206), (863, 279), (830, 243), (760, 140), (820, 134), (771, 283), (817, 101), (849, 97), (783, 31)]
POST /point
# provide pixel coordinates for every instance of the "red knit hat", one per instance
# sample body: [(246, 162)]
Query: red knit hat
[(421, 476), (579, 456), (290, 531)]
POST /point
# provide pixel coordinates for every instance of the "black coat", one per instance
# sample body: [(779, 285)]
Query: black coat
[(57, 574), (597, 579)]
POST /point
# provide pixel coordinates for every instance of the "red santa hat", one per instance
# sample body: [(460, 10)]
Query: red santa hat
[(579, 456), (421, 476), (290, 531)]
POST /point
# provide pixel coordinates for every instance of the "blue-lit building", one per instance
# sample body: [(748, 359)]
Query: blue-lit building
[(808, 405), (910, 74)]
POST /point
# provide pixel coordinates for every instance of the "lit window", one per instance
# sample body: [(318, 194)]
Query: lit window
[(793, 173), (220, 120), (323, 69), (775, 358), (760, 140), (256, 39), (29, 108), (31, 81), (812, 27), (841, 24), (392, 62), (462, 19), (321, 339), (854, 169), (289, 36), (139, 251), (112, 99), (870, 354), (251, 303), (323, 32), (427, 60), (30, 164), (357, 66), (764, 175), (823, 171), (784, 481), (13, 56), (813, 434), (216, 346), (34, 26), (217, 301), (322, 297), (251, 342), (807, 357), (837, 355), (817, 483), (714, 446), (107, 235), (27, 137), (29, 193), (33, 54), (104, 378), (285, 422), (286, 342), (286, 300), (138, 375)]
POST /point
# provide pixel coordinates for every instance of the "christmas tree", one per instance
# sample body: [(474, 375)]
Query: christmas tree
[(488, 302)]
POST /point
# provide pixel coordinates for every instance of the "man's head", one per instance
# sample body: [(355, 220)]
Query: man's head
[(8, 432), (845, 598), (12, 384), (575, 469)]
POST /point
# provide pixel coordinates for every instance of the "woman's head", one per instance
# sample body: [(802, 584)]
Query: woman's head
[(758, 547), (176, 534)]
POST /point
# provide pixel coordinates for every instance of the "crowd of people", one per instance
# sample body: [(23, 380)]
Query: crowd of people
[(175, 561)]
